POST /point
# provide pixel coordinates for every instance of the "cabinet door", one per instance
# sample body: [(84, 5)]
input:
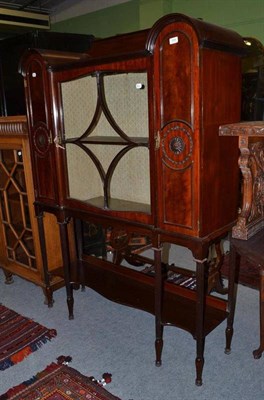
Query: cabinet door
[(176, 63), (41, 136), (106, 140), (16, 228)]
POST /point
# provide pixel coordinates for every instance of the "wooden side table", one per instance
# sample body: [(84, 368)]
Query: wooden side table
[(253, 251), (248, 234), (251, 163)]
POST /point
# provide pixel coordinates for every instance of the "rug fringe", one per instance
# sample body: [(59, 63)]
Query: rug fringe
[(22, 354)]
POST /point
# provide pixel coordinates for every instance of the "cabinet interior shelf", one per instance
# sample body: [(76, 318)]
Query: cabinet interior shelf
[(119, 204), (110, 140)]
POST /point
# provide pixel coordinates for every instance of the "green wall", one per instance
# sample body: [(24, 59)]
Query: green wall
[(244, 16)]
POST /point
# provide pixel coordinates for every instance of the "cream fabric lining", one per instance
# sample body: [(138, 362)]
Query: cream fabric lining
[(129, 107)]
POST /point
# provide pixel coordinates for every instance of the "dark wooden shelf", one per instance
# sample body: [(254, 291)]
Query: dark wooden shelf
[(136, 289), (110, 140), (119, 205)]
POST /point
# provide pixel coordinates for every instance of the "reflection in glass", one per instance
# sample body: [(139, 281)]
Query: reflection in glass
[(116, 245)]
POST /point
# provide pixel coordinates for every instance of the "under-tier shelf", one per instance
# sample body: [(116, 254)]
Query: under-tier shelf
[(137, 289)]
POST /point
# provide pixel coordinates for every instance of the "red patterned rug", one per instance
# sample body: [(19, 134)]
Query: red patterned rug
[(19, 337), (60, 382)]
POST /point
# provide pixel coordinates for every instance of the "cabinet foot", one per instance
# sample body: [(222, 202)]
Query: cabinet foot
[(70, 307), (229, 334), (258, 353), (48, 293), (199, 363), (158, 347), (8, 277)]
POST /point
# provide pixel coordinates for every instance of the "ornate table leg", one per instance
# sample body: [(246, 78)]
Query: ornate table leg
[(232, 295), (258, 352), (251, 163)]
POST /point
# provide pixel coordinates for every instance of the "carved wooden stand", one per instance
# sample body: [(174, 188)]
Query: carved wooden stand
[(251, 164), (248, 234)]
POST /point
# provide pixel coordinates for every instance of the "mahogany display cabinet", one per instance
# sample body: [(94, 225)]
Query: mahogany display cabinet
[(124, 141)]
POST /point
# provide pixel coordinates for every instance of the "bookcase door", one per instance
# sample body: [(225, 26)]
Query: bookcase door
[(106, 137)]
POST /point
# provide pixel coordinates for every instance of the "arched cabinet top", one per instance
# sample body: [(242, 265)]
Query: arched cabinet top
[(137, 44)]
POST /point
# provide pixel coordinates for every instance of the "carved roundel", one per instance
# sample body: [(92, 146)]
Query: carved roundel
[(177, 145), (41, 139)]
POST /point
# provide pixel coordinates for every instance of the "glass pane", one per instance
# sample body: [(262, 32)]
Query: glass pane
[(26, 213), (20, 255), (8, 159), (15, 209), (94, 241), (19, 178), (80, 165), (79, 104), (15, 212), (3, 177), (19, 156), (127, 99), (11, 254), (33, 263), (3, 208), (116, 245), (28, 243), (11, 238), (132, 171), (93, 176)]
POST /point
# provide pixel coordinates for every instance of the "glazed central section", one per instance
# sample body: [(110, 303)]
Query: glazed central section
[(106, 137)]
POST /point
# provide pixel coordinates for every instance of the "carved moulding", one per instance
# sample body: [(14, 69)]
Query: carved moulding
[(15, 125)]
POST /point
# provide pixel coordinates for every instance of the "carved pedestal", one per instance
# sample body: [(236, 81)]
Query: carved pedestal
[(251, 164)]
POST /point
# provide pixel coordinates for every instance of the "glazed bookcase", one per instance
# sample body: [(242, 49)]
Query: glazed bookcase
[(20, 250)]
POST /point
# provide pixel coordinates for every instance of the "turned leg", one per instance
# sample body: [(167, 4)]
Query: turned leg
[(232, 295), (199, 361), (201, 266), (66, 266), (258, 352), (79, 232), (158, 305), (47, 290)]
